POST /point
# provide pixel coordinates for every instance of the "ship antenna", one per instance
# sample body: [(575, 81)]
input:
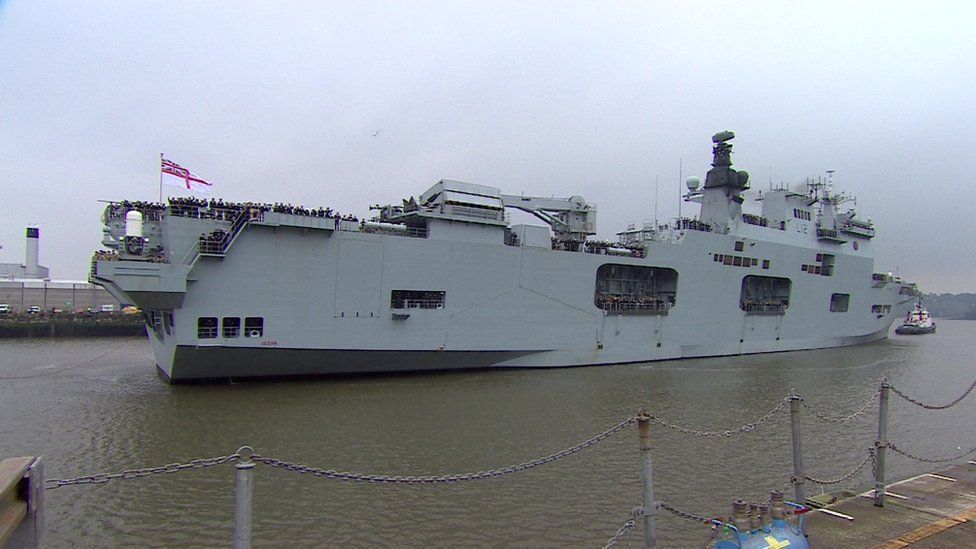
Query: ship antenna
[(655, 202), (680, 176)]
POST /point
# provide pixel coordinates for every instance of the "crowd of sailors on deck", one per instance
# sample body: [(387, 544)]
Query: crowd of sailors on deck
[(112, 255), (213, 243), (634, 303), (214, 208), (151, 211), (218, 209)]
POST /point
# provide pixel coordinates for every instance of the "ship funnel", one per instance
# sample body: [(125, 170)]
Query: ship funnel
[(31, 268)]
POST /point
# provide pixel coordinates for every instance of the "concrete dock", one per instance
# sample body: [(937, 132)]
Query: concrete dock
[(931, 510)]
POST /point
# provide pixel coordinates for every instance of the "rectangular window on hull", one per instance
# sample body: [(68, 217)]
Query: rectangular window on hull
[(417, 299), (206, 327), (254, 326), (764, 295), (839, 302), (634, 289), (232, 326)]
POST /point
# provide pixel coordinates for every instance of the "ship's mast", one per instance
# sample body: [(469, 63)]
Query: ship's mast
[(722, 193)]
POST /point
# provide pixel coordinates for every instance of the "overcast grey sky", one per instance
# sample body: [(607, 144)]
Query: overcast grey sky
[(280, 101)]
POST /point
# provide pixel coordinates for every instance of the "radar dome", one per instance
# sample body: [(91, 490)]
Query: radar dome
[(577, 201), (693, 183)]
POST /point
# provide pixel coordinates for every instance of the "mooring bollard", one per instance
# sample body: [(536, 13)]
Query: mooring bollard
[(243, 488), (644, 430), (881, 446), (799, 475)]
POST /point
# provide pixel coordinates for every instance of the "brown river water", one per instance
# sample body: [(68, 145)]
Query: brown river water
[(96, 406)]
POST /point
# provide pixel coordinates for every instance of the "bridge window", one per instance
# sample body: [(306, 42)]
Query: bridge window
[(764, 295), (254, 326), (839, 302), (417, 299), (634, 289), (232, 326), (206, 327)]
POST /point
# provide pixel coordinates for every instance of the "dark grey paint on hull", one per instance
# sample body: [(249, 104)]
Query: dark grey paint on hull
[(214, 363), (193, 364)]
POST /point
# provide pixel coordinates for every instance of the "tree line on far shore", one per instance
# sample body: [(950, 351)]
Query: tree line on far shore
[(961, 306)]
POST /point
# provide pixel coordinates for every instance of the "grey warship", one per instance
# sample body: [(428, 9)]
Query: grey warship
[(446, 282)]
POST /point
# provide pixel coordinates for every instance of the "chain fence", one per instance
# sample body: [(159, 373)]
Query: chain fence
[(245, 454), (898, 450), (461, 477), (900, 393), (624, 530), (824, 482), (747, 428), (101, 478), (838, 419), (684, 514)]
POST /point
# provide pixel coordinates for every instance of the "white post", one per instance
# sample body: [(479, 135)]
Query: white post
[(244, 486), (644, 429)]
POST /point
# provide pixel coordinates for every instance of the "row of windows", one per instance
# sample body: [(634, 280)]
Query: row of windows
[(738, 261), (817, 269), (229, 327), (801, 214), (825, 267)]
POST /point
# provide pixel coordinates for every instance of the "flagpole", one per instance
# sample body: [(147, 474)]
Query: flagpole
[(160, 178)]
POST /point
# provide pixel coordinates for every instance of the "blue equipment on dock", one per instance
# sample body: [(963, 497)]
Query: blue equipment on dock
[(763, 526)]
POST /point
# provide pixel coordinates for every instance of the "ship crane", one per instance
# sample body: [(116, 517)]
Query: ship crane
[(571, 219)]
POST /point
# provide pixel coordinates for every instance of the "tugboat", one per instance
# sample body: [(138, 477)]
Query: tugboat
[(917, 322)]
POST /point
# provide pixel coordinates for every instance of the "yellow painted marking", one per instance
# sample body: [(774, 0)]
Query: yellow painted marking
[(775, 544), (928, 530)]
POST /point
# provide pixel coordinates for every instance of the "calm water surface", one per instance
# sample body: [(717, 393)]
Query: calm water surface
[(96, 405)]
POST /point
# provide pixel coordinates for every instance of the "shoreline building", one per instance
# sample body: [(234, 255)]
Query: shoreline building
[(30, 284)]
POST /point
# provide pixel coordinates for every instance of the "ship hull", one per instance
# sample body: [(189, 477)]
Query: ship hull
[(196, 363)]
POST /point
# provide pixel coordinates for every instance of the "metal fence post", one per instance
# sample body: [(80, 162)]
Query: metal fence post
[(243, 488), (881, 446), (35, 501), (799, 475), (644, 429)]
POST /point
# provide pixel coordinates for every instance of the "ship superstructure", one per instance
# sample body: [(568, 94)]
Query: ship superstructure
[(444, 281)]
